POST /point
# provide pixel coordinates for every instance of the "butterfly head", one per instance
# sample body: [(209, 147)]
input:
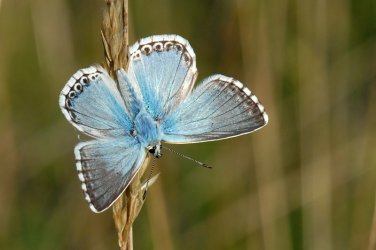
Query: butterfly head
[(156, 150)]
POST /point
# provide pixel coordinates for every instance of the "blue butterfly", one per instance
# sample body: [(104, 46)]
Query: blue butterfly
[(152, 102)]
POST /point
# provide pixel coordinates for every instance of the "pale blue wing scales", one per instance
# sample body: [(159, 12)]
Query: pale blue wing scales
[(106, 167), (92, 103), (164, 68), (220, 107), (130, 93)]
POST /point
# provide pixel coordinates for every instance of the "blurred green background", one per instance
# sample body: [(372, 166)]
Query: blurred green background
[(306, 181)]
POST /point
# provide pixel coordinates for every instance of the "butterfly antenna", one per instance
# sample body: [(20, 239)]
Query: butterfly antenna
[(187, 157), (147, 182)]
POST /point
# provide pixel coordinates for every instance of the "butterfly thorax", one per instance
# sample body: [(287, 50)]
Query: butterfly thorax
[(148, 132)]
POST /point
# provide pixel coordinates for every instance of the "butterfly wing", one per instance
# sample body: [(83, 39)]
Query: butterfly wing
[(220, 107), (92, 103), (106, 167), (163, 69)]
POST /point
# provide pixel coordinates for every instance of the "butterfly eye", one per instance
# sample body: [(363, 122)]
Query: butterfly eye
[(155, 151), (78, 87), (72, 94)]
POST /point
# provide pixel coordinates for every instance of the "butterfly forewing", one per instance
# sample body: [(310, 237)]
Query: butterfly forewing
[(92, 103), (220, 107), (164, 68)]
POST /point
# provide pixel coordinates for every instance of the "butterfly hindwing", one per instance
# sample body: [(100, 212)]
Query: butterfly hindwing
[(164, 70), (92, 103), (106, 167), (220, 107)]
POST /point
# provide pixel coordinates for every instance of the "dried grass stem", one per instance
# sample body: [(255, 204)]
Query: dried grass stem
[(115, 42)]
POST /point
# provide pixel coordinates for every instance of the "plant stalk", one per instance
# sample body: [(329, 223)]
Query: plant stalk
[(114, 34)]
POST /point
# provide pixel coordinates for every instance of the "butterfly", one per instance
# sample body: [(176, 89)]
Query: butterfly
[(153, 101)]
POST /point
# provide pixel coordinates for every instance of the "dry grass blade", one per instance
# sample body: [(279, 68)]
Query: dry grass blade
[(115, 42), (127, 207), (115, 34)]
